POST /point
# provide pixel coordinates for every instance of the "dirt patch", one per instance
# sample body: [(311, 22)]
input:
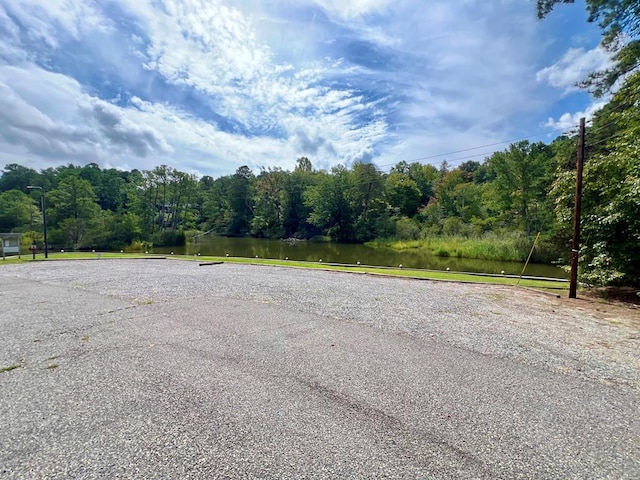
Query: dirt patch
[(589, 302), (612, 310), (627, 296)]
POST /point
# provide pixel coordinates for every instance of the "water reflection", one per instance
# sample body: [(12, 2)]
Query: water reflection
[(313, 251)]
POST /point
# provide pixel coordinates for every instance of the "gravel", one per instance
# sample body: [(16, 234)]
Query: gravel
[(165, 369)]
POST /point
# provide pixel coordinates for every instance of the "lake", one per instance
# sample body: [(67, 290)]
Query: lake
[(332, 252)]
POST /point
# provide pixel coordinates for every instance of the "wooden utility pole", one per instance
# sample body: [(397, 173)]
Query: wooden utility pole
[(575, 244)]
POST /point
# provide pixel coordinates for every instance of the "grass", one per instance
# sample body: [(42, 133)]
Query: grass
[(9, 367), (509, 249), (401, 272), (389, 271), (70, 256)]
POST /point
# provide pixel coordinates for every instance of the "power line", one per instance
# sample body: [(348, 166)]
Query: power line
[(566, 130), (454, 161), (429, 157), (602, 140), (602, 127)]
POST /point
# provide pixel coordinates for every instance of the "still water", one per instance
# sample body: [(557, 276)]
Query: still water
[(331, 252)]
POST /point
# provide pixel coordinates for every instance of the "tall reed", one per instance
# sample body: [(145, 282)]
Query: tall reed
[(490, 247)]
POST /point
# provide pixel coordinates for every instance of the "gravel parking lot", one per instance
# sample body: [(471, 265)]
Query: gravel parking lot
[(168, 369)]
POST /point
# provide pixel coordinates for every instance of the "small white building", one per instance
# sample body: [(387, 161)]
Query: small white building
[(10, 244)]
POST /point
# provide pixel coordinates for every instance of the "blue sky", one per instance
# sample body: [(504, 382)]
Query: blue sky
[(207, 86)]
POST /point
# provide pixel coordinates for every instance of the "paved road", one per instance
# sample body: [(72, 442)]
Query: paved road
[(163, 369)]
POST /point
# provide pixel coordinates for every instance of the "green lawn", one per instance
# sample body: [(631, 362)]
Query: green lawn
[(555, 285)]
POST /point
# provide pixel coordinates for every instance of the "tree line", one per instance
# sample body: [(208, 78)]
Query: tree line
[(92, 207)]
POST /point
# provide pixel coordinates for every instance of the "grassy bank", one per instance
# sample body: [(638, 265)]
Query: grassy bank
[(550, 284), (498, 248), (554, 285)]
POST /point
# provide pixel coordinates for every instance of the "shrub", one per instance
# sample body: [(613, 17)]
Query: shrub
[(407, 229), (169, 238)]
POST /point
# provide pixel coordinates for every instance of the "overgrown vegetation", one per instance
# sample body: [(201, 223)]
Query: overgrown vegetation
[(508, 247)]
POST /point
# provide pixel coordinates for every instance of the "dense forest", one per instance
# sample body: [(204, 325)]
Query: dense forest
[(513, 194)]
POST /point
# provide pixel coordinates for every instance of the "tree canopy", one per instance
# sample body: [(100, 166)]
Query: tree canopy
[(91, 207)]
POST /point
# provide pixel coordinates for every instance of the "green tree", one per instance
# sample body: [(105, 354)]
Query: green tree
[(217, 206), (240, 195), (364, 194), (446, 193), (295, 211), (159, 181), (469, 169), (17, 177), (523, 177), (269, 198), (468, 200), (611, 195), (17, 210), (402, 194), (330, 207), (424, 176), (182, 211), (71, 208), (111, 190), (139, 192)]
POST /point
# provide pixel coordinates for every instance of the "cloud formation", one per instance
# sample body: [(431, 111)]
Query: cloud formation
[(48, 114), (568, 121), (573, 67), (210, 85), (120, 131)]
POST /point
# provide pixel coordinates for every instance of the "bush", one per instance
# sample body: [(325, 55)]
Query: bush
[(455, 226), (140, 246), (169, 238), (407, 229)]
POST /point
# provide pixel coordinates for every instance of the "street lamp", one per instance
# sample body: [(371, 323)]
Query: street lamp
[(43, 205)]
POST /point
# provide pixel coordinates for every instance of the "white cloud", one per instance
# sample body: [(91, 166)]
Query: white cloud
[(203, 44), (573, 67), (568, 121), (48, 114), (38, 118), (10, 48), (221, 57), (211, 48), (477, 85), (216, 84), (89, 129), (45, 20), (120, 131), (346, 10)]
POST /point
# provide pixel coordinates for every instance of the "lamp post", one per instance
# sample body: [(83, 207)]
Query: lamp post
[(43, 205)]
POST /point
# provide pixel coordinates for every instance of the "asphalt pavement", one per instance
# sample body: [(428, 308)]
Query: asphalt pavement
[(165, 369)]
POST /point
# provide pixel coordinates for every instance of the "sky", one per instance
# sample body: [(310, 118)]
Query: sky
[(207, 86)]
